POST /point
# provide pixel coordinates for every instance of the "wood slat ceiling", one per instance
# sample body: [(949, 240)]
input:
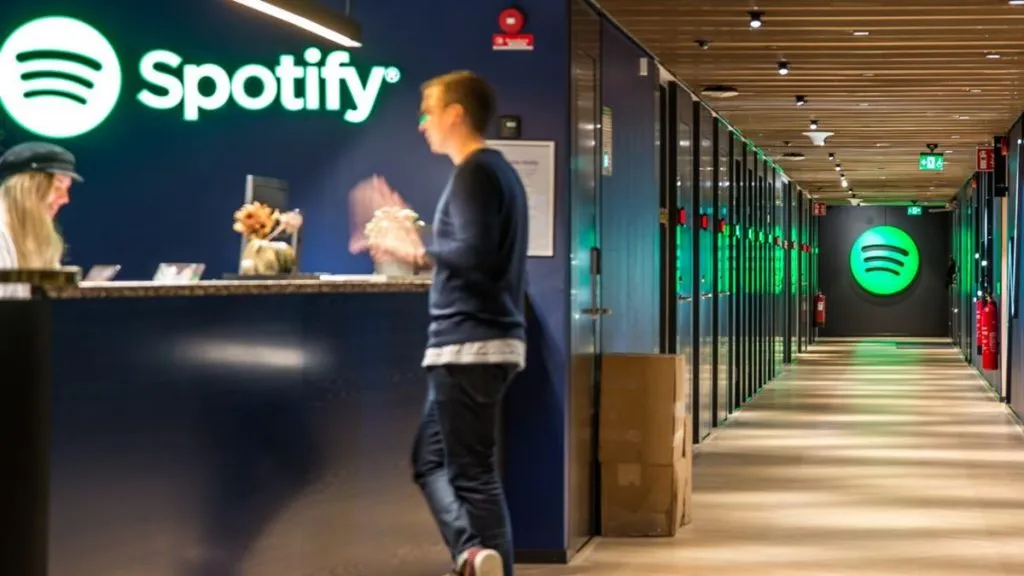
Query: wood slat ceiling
[(926, 72)]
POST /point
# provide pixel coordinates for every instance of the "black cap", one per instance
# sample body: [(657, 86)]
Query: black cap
[(37, 157)]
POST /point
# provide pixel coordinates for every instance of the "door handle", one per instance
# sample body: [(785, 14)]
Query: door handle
[(595, 312), (706, 296), (684, 299)]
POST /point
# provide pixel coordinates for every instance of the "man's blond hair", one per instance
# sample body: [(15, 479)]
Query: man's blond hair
[(471, 92)]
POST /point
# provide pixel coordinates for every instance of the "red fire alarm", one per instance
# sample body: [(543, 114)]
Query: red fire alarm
[(511, 22), (704, 223), (682, 216), (721, 225)]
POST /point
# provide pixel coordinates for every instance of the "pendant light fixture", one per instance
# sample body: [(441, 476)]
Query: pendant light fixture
[(313, 18)]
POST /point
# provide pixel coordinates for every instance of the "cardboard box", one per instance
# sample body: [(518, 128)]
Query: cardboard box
[(646, 445), (644, 409), (641, 500)]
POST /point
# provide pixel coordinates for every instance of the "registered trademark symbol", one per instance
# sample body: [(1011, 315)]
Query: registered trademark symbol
[(392, 75)]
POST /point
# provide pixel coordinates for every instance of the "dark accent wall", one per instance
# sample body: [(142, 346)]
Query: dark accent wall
[(920, 310), (630, 200), (1015, 336), (161, 189)]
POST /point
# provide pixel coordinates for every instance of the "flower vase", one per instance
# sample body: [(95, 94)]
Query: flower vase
[(394, 268), (267, 258)]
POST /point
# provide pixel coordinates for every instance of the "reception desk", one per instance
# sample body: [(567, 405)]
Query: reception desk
[(216, 429)]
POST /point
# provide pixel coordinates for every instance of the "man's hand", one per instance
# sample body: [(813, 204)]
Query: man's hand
[(364, 200)]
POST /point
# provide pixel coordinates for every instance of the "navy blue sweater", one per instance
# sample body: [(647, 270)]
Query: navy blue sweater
[(479, 251)]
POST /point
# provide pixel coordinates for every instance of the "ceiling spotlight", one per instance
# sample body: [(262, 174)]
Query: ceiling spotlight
[(783, 68), (993, 56), (1016, 2), (800, 100), (755, 19), (844, 183), (839, 167), (814, 124), (862, 33), (703, 44), (832, 156)]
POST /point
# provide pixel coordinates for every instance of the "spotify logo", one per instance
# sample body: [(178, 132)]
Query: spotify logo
[(884, 260), (59, 77)]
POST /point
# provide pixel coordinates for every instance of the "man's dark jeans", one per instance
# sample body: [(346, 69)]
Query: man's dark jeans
[(455, 461)]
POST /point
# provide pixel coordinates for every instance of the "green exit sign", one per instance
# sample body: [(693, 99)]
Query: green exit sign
[(913, 210), (931, 162)]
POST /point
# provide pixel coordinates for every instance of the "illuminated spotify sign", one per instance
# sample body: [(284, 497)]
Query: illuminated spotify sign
[(61, 78), (884, 260)]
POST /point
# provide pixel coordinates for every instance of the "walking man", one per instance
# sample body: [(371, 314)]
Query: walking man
[(476, 341)]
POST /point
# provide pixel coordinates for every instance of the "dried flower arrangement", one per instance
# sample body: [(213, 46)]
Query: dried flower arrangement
[(393, 223), (258, 221), (260, 225)]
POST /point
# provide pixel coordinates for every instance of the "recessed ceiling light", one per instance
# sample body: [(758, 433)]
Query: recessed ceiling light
[(962, 117), (800, 100), (813, 124), (862, 33), (865, 104), (1016, 2), (720, 91), (975, 90), (755, 19), (948, 152), (955, 137), (831, 155), (783, 68), (993, 56), (868, 74)]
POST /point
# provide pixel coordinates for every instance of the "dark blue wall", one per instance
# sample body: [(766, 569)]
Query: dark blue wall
[(630, 200), (159, 189)]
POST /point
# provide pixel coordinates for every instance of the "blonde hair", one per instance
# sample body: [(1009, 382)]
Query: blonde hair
[(36, 240), (468, 90)]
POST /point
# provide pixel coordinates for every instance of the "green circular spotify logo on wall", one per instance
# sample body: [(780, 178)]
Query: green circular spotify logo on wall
[(884, 260)]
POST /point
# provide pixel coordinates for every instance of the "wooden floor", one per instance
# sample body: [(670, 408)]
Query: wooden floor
[(864, 458)]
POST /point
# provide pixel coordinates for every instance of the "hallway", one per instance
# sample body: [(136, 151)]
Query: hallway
[(865, 457)]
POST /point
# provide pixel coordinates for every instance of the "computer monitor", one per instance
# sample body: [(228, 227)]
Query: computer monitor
[(269, 191), (274, 193)]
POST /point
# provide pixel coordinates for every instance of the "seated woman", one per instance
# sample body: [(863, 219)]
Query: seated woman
[(35, 178)]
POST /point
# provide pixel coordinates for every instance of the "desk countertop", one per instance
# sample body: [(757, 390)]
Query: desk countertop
[(356, 284)]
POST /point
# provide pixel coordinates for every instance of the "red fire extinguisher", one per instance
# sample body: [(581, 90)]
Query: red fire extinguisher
[(819, 309), (990, 352), (979, 340)]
